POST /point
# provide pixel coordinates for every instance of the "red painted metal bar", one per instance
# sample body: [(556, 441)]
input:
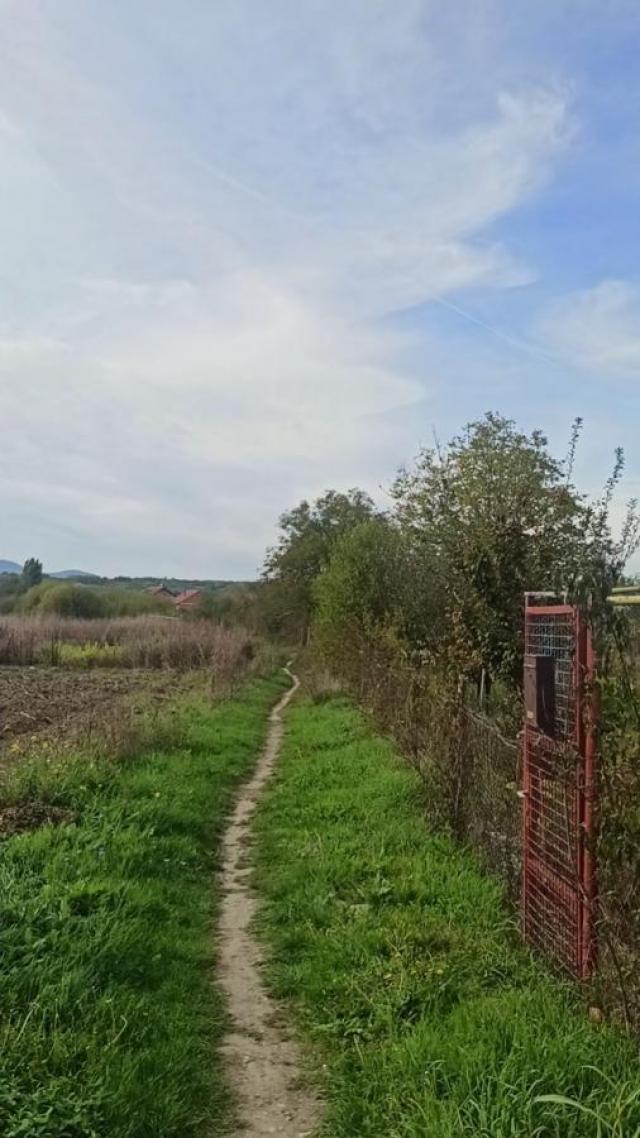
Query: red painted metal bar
[(550, 610), (578, 686), (589, 877), (526, 807)]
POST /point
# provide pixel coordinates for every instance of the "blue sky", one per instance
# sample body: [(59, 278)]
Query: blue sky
[(251, 250)]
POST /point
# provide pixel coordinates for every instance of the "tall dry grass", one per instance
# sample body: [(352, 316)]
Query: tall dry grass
[(151, 641)]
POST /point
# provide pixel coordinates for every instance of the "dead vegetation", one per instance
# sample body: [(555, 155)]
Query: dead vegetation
[(152, 641)]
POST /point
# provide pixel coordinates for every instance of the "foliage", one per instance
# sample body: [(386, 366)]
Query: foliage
[(109, 1014), (603, 556), (31, 572), (230, 605), (88, 602), (10, 591), (62, 599), (360, 590), (401, 964), (476, 524), (309, 534), (378, 582), (495, 515)]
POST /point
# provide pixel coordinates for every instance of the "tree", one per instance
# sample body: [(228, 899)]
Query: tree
[(309, 533), (31, 573), (495, 515), (10, 591), (361, 587), (62, 598), (377, 579)]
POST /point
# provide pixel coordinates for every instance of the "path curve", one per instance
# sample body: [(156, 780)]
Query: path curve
[(263, 1062)]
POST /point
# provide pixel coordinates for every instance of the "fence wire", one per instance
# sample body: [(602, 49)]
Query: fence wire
[(492, 821), (470, 762)]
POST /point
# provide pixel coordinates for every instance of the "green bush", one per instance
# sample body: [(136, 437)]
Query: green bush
[(53, 598), (89, 602)]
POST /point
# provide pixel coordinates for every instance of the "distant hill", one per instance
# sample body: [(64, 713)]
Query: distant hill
[(177, 585), (63, 574)]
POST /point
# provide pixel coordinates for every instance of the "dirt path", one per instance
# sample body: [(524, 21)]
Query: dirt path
[(263, 1063)]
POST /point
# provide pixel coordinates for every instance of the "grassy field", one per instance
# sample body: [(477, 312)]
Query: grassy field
[(402, 966), (109, 1015)]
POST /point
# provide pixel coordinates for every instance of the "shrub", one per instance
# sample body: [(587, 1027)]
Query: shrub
[(89, 602), (64, 599)]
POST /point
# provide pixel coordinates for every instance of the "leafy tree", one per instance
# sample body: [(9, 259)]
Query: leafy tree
[(377, 579), (31, 572), (495, 515), (10, 591), (309, 534), (604, 557), (360, 589)]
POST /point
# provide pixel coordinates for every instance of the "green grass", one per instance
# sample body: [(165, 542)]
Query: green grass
[(403, 968), (109, 1016)]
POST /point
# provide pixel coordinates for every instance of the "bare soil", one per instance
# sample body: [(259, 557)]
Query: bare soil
[(28, 816), (60, 703), (263, 1061), (33, 698)]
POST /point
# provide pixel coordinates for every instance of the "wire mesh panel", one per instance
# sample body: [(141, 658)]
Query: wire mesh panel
[(491, 825), (558, 877)]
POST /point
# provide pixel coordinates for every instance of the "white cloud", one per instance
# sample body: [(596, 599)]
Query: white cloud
[(147, 424), (597, 328), (205, 219)]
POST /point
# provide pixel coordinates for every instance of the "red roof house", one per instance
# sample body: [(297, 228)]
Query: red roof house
[(188, 600), (161, 591)]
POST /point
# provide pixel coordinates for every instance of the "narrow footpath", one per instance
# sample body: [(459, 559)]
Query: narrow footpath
[(263, 1062)]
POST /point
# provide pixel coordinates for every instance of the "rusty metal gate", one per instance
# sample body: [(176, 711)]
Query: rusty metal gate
[(559, 880)]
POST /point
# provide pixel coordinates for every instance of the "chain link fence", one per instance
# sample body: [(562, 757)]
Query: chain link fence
[(469, 758)]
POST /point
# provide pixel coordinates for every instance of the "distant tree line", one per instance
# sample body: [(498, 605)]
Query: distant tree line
[(33, 592)]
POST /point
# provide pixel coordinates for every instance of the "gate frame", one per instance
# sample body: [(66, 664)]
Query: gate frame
[(583, 738)]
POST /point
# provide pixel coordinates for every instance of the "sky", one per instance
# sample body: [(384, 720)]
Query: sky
[(250, 251)]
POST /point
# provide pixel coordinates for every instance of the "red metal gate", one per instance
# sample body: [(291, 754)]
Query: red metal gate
[(559, 881)]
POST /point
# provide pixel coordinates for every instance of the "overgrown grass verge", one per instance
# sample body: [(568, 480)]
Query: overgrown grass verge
[(109, 1014), (402, 967)]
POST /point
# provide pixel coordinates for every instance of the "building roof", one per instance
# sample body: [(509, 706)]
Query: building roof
[(189, 597)]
